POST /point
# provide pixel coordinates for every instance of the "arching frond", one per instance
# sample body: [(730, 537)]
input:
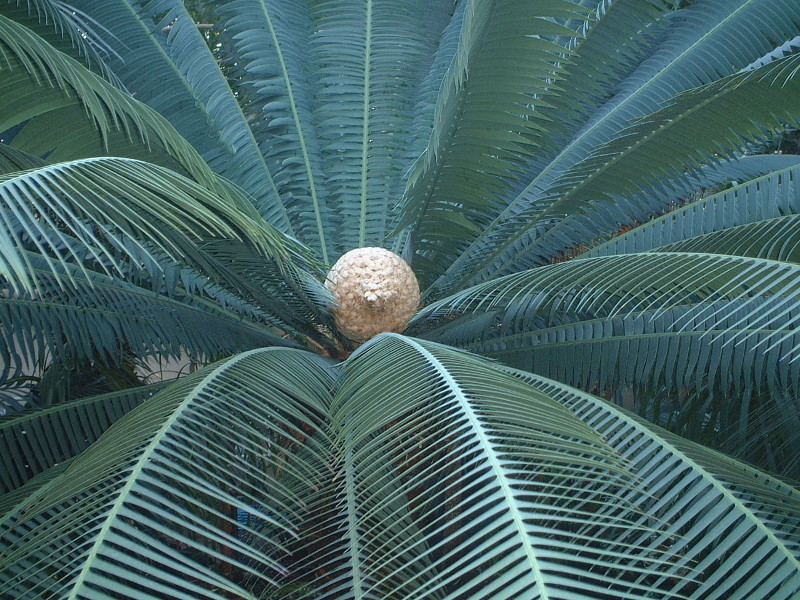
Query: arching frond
[(272, 43), (616, 37), (454, 478), (587, 233), (768, 196), (164, 41), (141, 201), (65, 29), (675, 324), (752, 294), (38, 80), (467, 163), (292, 294), (666, 142), (695, 51), (717, 506), (371, 58), (79, 316), (177, 469)]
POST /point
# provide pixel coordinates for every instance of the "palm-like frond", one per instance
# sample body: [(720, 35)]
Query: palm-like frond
[(505, 62), (364, 72), (65, 29), (35, 440), (292, 294), (15, 501), (701, 30), (455, 478), (55, 320), (38, 81), (676, 321), (614, 40), (84, 197), (766, 95), (722, 301), (736, 528), (570, 236), (282, 97), (159, 42), (178, 468), (767, 196)]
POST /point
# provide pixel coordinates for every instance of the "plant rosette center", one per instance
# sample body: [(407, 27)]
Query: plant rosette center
[(374, 290)]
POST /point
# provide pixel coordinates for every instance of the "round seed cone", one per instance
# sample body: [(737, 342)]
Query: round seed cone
[(375, 291)]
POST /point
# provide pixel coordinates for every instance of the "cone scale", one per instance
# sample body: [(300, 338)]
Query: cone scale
[(375, 291)]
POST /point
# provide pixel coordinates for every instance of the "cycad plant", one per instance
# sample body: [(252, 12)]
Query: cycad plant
[(596, 397)]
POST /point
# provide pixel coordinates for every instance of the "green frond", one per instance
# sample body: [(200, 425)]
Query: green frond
[(768, 196), (177, 469), (371, 58), (34, 440), (696, 50), (76, 316), (144, 202), (617, 36), (738, 108), (709, 384), (736, 528), (292, 294), (598, 228), (485, 122), (721, 329), (454, 476), (174, 46), (65, 29), (757, 292), (272, 44), (38, 79)]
